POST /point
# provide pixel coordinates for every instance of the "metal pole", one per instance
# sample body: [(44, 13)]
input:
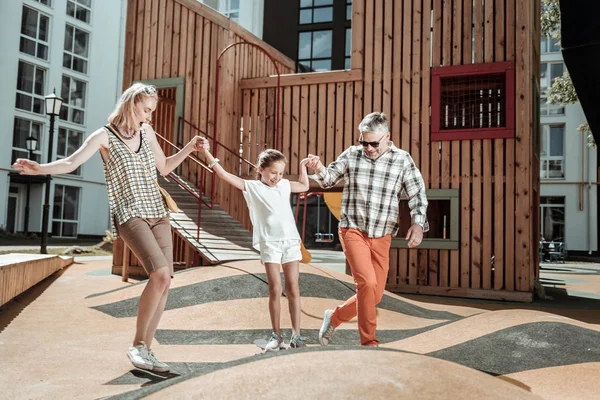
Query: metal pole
[(46, 213), (27, 199)]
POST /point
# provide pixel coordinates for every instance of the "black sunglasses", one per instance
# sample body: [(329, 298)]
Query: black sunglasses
[(372, 144)]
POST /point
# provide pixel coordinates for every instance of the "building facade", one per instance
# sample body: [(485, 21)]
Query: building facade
[(75, 49), (248, 13), (568, 190)]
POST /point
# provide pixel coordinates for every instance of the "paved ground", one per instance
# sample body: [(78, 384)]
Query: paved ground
[(66, 338)]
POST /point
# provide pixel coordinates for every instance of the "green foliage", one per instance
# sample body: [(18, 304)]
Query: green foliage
[(550, 23)]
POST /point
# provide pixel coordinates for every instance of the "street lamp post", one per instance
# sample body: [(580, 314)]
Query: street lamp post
[(53, 105), (31, 142)]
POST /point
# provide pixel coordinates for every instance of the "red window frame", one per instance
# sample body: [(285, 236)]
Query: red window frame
[(437, 73)]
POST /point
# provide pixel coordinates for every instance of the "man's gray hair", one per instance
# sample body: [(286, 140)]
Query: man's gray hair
[(376, 122)]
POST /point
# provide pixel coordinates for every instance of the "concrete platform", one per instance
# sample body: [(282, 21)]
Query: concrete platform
[(66, 338)]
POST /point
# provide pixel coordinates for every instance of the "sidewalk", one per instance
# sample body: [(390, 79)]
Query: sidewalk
[(83, 318)]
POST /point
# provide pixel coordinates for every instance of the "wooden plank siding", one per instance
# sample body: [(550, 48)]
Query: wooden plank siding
[(395, 44)]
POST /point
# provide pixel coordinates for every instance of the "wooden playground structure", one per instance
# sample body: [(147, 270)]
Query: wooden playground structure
[(457, 78)]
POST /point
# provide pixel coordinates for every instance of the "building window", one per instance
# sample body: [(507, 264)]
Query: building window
[(24, 128), (349, 10), (552, 219), (73, 92), (34, 33), (45, 2), (473, 101), (316, 11), (76, 49), (548, 74), (65, 211), (552, 152), (550, 45), (348, 48), (314, 51), (231, 9), (31, 84), (80, 9), (68, 142)]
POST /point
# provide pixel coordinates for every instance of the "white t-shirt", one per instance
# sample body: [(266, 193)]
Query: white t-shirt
[(270, 212)]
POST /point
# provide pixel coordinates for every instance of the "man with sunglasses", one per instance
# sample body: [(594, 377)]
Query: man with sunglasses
[(375, 174)]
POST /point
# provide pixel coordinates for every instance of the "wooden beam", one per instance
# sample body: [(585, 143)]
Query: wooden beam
[(302, 79), (503, 295)]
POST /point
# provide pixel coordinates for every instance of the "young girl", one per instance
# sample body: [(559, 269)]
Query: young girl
[(131, 155), (275, 234)]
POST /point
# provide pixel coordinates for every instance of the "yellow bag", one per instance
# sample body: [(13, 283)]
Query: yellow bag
[(306, 256), (169, 202)]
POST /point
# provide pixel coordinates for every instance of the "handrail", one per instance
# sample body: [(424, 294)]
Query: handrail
[(304, 196), (191, 156), (217, 72), (181, 119)]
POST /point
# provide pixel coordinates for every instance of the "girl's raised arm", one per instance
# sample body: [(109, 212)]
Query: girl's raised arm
[(302, 185), (233, 180)]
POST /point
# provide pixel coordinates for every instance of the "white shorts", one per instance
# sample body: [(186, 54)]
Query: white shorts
[(280, 252)]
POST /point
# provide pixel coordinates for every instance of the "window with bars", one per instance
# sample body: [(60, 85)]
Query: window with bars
[(80, 9), (31, 84), (65, 211), (552, 152), (73, 92), (22, 129), (68, 142), (76, 49), (35, 27), (472, 101)]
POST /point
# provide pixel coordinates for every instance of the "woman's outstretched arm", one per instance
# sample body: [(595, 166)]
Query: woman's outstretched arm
[(91, 145)]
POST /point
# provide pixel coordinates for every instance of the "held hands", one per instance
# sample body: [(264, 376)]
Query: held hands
[(199, 143), (313, 162), (414, 235), (26, 167)]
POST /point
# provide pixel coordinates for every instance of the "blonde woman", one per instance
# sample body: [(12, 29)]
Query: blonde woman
[(131, 155)]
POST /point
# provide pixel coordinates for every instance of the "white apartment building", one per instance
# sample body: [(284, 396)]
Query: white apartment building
[(569, 206), (247, 13), (76, 48)]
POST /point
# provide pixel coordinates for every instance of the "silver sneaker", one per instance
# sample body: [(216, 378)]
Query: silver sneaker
[(274, 343), (297, 341), (138, 355), (327, 330), (159, 366)]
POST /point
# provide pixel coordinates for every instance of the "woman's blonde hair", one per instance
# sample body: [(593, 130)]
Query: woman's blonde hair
[(124, 113)]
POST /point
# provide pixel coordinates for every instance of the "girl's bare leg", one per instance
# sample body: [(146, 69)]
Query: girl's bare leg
[(274, 279), (291, 271)]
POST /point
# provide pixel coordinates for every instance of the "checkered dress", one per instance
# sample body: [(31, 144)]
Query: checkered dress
[(372, 190), (131, 192)]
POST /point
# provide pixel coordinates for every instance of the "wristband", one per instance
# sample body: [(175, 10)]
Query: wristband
[(213, 162)]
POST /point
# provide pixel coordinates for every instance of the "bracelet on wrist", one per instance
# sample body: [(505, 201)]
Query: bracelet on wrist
[(213, 162)]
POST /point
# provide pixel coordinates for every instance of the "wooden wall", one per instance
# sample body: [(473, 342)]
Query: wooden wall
[(395, 43)]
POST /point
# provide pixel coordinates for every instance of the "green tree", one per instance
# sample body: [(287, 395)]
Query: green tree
[(562, 90)]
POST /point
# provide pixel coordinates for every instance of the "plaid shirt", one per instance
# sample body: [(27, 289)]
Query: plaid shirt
[(373, 188)]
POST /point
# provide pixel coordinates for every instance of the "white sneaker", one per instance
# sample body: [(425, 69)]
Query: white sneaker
[(275, 342), (159, 366), (138, 355), (327, 330)]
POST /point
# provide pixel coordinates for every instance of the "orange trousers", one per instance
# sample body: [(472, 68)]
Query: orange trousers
[(369, 261)]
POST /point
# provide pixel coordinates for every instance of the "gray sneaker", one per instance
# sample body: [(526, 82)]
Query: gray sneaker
[(159, 366), (297, 341), (327, 330), (138, 355), (274, 343)]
